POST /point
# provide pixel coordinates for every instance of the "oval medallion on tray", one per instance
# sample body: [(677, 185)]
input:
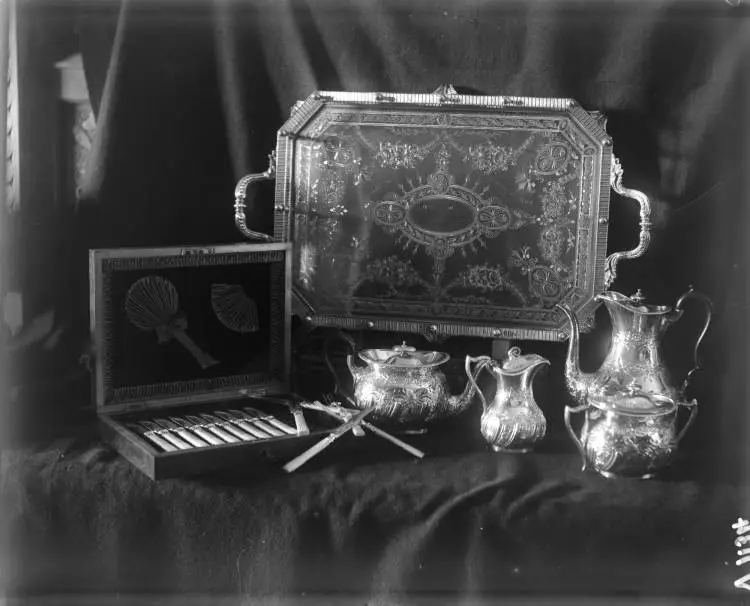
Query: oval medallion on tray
[(441, 214)]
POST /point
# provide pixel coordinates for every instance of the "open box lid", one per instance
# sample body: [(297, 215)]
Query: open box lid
[(185, 325), (445, 214)]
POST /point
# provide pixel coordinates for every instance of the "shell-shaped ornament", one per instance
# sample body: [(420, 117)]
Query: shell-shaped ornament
[(151, 302), (234, 309)]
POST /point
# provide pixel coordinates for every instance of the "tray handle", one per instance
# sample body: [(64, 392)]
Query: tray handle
[(240, 193), (610, 269)]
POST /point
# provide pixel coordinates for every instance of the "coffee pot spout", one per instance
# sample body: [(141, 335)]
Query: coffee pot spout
[(576, 381)]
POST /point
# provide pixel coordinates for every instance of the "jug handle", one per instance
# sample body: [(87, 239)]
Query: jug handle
[(571, 431), (481, 363), (693, 406), (693, 294)]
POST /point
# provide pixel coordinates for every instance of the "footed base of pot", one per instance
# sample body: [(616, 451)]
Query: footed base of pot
[(614, 476), (512, 450)]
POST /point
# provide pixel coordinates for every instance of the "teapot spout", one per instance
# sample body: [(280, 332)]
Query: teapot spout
[(576, 381), (355, 370)]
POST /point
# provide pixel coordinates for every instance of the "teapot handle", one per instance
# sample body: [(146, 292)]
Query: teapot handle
[(240, 193), (578, 441), (693, 294), (340, 335), (481, 363)]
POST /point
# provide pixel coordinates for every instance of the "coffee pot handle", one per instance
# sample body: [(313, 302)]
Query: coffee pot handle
[(578, 441), (693, 406), (693, 294), (481, 363)]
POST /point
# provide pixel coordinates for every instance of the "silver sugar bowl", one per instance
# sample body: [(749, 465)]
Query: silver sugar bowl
[(629, 436)]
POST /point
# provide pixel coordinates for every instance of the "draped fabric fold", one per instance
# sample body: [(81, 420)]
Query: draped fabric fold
[(190, 95)]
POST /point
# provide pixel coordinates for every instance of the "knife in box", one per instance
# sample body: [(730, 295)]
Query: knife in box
[(153, 437), (198, 430), (257, 422), (242, 424), (271, 420), (218, 424), (169, 437), (186, 435), (214, 428)]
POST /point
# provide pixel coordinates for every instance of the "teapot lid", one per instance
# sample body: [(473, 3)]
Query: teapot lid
[(403, 356), (635, 404)]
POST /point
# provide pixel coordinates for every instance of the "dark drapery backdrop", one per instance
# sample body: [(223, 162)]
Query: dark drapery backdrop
[(189, 96)]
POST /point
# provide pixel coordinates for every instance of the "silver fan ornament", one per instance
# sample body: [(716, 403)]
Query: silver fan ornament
[(234, 309), (152, 303)]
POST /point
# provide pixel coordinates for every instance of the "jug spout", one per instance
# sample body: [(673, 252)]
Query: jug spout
[(576, 381)]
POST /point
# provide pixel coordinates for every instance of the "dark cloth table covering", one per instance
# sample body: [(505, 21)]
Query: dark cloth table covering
[(363, 519), (189, 97)]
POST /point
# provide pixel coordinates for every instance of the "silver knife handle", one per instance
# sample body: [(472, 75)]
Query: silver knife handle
[(235, 431), (172, 439), (208, 436), (225, 435), (299, 461), (155, 438), (271, 420), (249, 422), (225, 430), (267, 427), (254, 431), (198, 430), (189, 437), (300, 422)]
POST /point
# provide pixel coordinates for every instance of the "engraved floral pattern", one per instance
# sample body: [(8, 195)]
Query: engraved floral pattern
[(400, 155), (458, 215), (394, 273), (552, 158)]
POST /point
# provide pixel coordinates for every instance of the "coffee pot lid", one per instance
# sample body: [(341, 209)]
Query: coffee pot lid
[(634, 404), (404, 356), (635, 302)]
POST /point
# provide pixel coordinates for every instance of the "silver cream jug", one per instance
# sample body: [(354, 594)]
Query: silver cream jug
[(512, 422)]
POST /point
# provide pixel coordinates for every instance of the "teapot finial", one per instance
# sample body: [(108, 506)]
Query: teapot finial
[(403, 349), (638, 297)]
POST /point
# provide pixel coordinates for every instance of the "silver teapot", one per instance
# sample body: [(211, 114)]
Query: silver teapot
[(630, 402), (512, 422), (404, 386)]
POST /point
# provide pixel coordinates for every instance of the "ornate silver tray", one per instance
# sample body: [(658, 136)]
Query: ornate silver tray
[(445, 214)]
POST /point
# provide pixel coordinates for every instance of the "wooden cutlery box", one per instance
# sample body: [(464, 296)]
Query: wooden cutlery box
[(184, 335)]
